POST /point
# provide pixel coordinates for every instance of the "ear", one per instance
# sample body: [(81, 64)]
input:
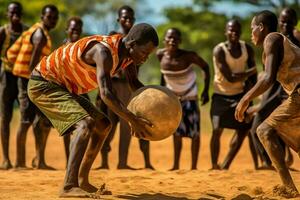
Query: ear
[(130, 44), (261, 26)]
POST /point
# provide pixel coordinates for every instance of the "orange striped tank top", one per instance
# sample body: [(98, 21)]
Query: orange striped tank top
[(21, 51), (65, 66)]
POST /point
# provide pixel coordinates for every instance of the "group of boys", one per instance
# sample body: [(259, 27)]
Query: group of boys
[(56, 84)]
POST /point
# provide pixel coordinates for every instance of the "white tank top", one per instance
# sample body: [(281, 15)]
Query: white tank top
[(236, 65), (182, 83)]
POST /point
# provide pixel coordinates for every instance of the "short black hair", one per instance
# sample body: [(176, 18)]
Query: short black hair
[(125, 7), (143, 33), (268, 19), (291, 12), (77, 19), (176, 30), (51, 7), (18, 4), (234, 21)]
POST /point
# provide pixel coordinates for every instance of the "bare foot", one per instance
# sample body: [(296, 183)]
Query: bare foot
[(149, 166), (174, 168), (44, 166), (215, 167), (40, 165), (86, 186), (21, 167), (102, 167), (5, 165), (285, 191), (125, 167), (74, 192)]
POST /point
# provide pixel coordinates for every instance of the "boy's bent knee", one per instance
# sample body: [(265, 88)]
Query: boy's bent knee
[(264, 131)]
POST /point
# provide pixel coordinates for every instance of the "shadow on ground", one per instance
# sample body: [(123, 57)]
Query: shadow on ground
[(146, 196)]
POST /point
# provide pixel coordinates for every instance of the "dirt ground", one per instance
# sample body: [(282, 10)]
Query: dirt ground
[(240, 182)]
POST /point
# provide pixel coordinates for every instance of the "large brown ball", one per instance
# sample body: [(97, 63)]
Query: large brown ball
[(160, 106)]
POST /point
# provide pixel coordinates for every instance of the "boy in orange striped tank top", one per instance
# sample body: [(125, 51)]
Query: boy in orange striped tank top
[(25, 53), (77, 68)]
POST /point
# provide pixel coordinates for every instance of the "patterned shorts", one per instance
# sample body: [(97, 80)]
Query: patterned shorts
[(190, 123)]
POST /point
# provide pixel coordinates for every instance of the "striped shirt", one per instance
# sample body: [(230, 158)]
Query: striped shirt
[(65, 66), (20, 52), (10, 38)]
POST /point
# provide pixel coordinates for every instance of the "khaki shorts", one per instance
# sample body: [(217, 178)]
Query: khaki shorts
[(61, 107), (285, 119)]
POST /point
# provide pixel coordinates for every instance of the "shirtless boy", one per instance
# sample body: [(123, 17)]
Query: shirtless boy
[(281, 59), (179, 76)]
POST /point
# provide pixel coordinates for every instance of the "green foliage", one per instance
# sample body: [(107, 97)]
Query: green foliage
[(67, 8)]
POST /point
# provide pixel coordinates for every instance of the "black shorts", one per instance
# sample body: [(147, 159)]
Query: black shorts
[(223, 109)]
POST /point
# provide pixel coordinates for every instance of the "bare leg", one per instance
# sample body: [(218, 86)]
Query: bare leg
[(8, 95), (235, 145), (177, 151), (125, 138), (41, 130), (270, 140), (6, 164), (145, 148), (78, 147), (253, 151), (289, 160), (106, 148), (195, 151), (98, 135), (66, 139), (215, 147), (20, 144)]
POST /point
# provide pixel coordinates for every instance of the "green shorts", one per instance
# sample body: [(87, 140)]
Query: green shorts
[(61, 107)]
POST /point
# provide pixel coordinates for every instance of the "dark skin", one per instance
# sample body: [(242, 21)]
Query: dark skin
[(73, 31), (175, 59), (88, 136), (126, 20), (233, 33), (14, 13), (38, 41), (287, 25), (272, 57)]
